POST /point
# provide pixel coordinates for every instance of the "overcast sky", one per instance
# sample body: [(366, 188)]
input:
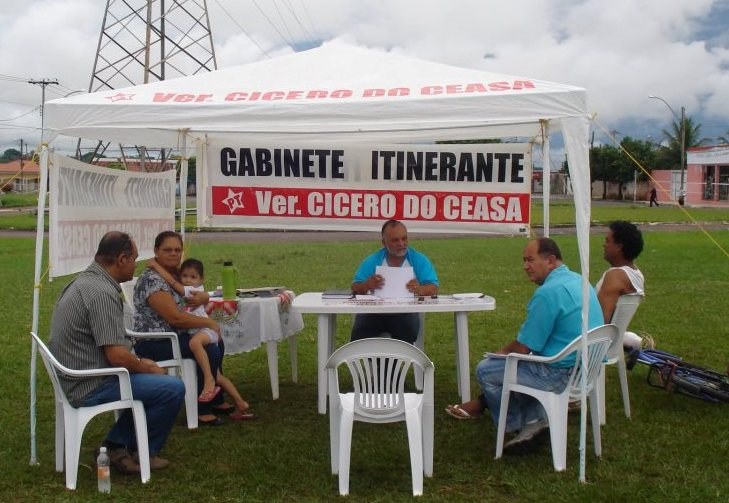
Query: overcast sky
[(621, 51)]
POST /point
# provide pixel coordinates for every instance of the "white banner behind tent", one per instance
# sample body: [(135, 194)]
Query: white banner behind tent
[(477, 188), (88, 201)]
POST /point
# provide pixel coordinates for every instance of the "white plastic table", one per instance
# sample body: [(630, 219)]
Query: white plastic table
[(327, 310)]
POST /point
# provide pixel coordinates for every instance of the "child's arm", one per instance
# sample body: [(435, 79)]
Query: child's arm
[(169, 278)]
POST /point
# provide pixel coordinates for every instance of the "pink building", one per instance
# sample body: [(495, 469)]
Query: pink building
[(706, 180)]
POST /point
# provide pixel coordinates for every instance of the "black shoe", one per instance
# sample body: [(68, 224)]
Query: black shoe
[(218, 421)]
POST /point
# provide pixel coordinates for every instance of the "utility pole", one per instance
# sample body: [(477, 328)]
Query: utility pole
[(43, 83), (682, 193), (682, 134), (21, 163)]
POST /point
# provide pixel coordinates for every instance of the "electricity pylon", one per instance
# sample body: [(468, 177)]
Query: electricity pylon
[(144, 41)]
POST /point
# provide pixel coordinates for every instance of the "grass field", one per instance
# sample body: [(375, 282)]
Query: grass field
[(673, 449), (562, 212)]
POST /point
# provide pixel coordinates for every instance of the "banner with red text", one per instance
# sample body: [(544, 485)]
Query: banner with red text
[(87, 201), (459, 188)]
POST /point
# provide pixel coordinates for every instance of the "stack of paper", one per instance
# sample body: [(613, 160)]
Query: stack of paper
[(337, 294)]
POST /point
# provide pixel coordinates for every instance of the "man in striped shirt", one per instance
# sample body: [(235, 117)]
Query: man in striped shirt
[(87, 332)]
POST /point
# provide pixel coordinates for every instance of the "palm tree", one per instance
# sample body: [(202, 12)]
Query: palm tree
[(670, 155)]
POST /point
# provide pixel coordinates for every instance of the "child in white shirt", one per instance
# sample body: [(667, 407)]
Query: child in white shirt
[(191, 279)]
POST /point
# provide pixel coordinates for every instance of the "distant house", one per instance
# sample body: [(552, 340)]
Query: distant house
[(559, 183), (26, 178), (22, 176), (706, 180)]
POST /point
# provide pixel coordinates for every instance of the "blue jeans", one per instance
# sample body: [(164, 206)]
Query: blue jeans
[(159, 350), (402, 326), (162, 396), (522, 408)]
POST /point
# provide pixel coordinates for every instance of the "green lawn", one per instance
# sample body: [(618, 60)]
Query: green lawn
[(673, 449), (562, 212)]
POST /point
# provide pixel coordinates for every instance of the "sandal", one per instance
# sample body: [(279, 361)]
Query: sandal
[(209, 396), (458, 412)]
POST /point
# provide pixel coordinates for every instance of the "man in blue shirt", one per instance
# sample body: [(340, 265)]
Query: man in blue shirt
[(554, 319), (394, 253)]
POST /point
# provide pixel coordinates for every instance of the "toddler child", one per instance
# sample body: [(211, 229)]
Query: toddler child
[(191, 279)]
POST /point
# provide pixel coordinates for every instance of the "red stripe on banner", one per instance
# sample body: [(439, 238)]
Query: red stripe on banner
[(362, 204)]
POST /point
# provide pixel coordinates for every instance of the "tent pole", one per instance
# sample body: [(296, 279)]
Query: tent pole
[(183, 183), (576, 132), (546, 175), (39, 235)]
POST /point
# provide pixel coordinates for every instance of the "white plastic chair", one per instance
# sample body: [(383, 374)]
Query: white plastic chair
[(379, 368), (555, 404), (71, 421), (625, 308), (186, 368), (420, 344)]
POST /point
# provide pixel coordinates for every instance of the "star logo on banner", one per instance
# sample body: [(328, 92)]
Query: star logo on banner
[(234, 200), (120, 97)]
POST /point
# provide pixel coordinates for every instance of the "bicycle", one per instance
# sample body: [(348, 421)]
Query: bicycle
[(672, 373)]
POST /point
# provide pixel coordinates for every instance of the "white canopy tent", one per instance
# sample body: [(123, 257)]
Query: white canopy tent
[(343, 93)]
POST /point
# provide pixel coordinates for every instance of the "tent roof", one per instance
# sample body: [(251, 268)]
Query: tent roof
[(321, 93)]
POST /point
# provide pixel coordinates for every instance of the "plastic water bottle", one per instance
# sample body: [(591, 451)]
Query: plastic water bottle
[(102, 471), (229, 280)]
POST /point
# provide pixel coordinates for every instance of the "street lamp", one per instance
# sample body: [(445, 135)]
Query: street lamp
[(682, 132)]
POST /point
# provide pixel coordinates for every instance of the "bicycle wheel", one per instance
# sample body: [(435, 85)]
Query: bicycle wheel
[(699, 387)]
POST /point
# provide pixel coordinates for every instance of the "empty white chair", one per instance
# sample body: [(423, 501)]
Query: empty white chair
[(379, 368), (420, 344), (185, 368), (71, 421), (625, 308), (555, 404)]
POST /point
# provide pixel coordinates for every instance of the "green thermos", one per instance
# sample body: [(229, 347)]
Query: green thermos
[(229, 281)]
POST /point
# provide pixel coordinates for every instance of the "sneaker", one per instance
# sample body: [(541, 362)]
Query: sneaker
[(529, 432), (123, 461), (155, 462)]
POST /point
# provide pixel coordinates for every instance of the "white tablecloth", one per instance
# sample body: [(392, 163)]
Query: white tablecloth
[(259, 320)]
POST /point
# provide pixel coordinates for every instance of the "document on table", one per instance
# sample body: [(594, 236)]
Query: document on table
[(396, 279)]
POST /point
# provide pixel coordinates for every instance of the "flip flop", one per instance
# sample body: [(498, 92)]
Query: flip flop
[(242, 416), (209, 396), (458, 412)]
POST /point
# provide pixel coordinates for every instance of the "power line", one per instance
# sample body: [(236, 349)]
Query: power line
[(12, 78), (17, 102), (250, 37), (306, 33), (19, 116), (311, 22), (290, 44), (283, 21)]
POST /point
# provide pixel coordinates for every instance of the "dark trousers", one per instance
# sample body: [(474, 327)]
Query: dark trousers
[(161, 350), (402, 326)]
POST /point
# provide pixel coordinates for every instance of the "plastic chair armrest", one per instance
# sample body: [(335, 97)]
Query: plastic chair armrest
[(171, 336)]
